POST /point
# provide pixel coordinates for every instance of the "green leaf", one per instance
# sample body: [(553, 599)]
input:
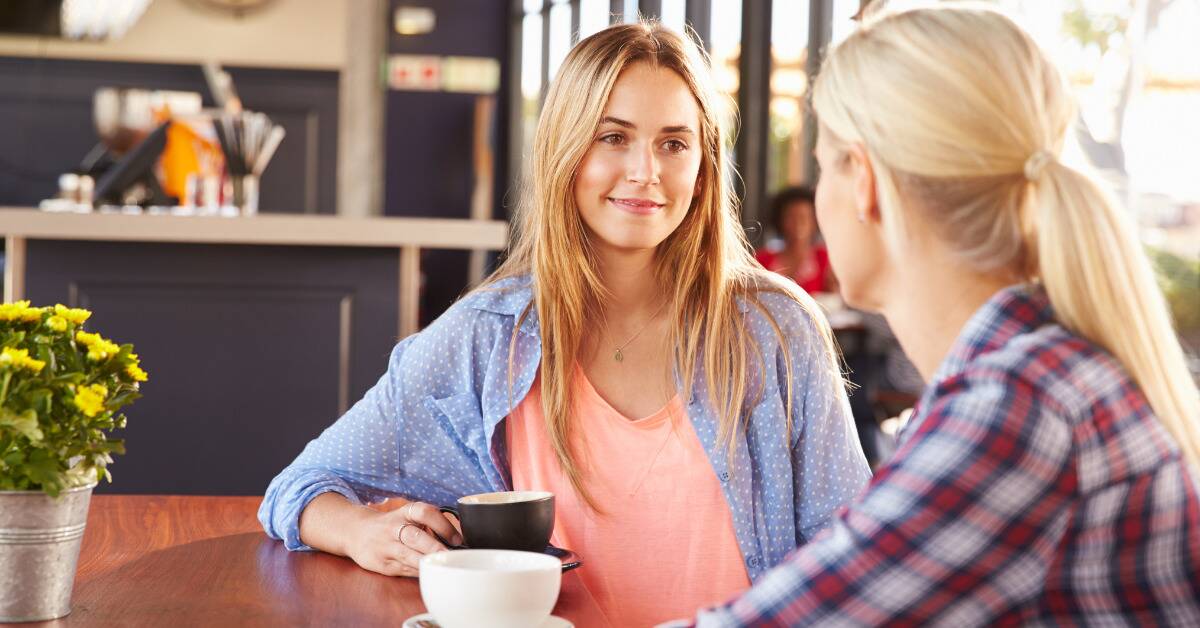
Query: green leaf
[(25, 423), (122, 398), (42, 469), (45, 354), (112, 446), (69, 378), (40, 399)]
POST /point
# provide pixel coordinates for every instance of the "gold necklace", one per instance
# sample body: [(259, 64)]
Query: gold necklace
[(618, 355)]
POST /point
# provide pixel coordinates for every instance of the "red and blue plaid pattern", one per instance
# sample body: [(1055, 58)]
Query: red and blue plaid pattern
[(1033, 486)]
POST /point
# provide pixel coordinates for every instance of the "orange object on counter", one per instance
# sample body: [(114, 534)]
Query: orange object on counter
[(186, 153)]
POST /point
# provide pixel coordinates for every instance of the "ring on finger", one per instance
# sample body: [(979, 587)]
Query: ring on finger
[(404, 511), (400, 532)]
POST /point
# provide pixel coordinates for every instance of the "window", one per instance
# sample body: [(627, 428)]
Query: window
[(1135, 71), (726, 46), (843, 19), (593, 16), (789, 87), (674, 14), (560, 34)]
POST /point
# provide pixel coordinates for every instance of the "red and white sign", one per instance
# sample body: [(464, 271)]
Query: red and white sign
[(415, 73)]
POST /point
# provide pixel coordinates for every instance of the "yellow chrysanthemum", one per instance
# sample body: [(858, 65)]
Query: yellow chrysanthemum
[(90, 399), (19, 359), (98, 348), (20, 311), (102, 350), (136, 373), (57, 323), (73, 314)]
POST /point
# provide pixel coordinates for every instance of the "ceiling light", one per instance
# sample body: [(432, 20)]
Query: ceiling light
[(100, 19)]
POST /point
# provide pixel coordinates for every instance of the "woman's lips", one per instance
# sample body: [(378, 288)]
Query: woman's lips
[(636, 205)]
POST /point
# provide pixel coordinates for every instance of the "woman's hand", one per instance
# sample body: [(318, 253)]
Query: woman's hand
[(392, 543)]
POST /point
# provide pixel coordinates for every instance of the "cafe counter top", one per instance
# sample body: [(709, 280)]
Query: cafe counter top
[(285, 229)]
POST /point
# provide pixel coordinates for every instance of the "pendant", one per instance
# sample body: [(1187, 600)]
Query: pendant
[(618, 356)]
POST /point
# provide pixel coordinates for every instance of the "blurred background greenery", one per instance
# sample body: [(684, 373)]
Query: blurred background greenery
[(1179, 278)]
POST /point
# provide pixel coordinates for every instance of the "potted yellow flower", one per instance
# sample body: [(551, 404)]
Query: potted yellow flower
[(60, 390)]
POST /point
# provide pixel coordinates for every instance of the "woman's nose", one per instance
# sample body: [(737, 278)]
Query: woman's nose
[(642, 167)]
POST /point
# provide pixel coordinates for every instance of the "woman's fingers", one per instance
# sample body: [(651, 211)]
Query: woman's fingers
[(395, 541), (397, 567), (416, 538), (407, 536), (390, 558), (433, 519), (401, 556)]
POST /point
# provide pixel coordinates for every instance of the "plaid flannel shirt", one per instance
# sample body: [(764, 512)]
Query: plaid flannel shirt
[(1033, 486)]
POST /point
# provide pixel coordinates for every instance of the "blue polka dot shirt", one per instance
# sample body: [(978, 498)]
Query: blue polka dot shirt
[(432, 429)]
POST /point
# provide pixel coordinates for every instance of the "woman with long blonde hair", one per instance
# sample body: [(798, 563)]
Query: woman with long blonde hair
[(684, 405), (1048, 475)]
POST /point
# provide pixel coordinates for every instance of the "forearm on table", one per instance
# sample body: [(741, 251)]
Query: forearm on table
[(327, 518)]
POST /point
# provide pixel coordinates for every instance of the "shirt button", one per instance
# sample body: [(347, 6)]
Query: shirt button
[(752, 561), (724, 476)]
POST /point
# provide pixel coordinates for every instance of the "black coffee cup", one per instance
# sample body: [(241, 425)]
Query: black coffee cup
[(515, 520)]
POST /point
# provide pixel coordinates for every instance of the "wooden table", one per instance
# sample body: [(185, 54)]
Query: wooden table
[(205, 561)]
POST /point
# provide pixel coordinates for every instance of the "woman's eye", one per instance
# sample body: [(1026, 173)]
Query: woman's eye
[(612, 138), (675, 146)]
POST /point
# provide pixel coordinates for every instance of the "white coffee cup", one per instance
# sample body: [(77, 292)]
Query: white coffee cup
[(490, 588)]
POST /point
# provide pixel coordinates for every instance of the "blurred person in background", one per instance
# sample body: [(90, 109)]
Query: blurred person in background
[(798, 252), (883, 379)]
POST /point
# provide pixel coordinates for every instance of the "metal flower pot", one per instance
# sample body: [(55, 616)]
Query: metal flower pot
[(40, 538)]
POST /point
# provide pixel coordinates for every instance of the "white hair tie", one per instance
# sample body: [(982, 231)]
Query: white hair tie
[(1036, 164)]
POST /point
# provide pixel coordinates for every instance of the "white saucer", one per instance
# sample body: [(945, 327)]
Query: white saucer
[(552, 621)]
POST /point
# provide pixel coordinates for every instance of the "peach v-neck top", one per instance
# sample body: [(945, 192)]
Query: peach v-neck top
[(665, 545)]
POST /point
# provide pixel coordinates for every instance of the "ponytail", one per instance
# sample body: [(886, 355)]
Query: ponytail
[(1102, 287)]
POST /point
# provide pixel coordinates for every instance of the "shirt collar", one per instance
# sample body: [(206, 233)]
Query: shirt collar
[(510, 296), (1015, 310)]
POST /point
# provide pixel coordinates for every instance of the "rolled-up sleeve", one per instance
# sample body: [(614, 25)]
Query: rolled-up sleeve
[(355, 457)]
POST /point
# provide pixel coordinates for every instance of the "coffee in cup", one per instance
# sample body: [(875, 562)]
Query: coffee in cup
[(513, 520)]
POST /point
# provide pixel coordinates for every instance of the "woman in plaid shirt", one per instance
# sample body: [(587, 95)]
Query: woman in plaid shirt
[(1049, 474)]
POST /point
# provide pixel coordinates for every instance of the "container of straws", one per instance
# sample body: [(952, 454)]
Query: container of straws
[(248, 140)]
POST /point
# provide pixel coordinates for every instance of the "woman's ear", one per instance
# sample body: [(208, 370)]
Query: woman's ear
[(863, 175)]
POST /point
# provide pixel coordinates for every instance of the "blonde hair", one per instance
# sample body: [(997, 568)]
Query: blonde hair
[(704, 265), (962, 114)]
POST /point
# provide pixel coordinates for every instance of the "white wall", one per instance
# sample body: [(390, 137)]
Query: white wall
[(286, 34)]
